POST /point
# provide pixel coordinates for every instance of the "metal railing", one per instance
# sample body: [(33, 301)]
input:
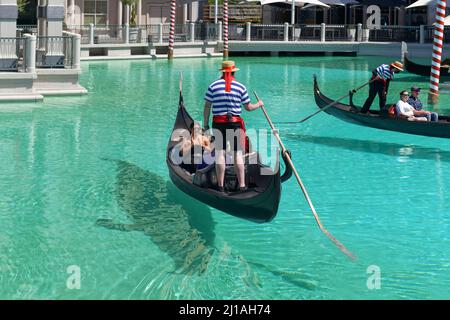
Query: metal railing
[(267, 32), (54, 52), (26, 29), (395, 34), (12, 51), (429, 33), (155, 33)]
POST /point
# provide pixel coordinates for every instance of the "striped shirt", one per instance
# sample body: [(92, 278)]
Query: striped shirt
[(224, 102), (384, 71)]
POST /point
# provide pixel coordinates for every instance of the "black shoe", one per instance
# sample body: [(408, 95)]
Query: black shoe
[(242, 189), (221, 189)]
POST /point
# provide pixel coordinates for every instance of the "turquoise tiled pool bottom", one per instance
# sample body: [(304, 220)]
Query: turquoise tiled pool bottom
[(87, 212)]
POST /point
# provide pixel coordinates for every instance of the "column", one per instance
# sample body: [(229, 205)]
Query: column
[(194, 11), (8, 18), (126, 14), (51, 48), (119, 13), (30, 53), (54, 17), (139, 12), (185, 13)]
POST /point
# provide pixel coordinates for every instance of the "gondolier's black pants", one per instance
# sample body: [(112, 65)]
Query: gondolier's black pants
[(376, 87)]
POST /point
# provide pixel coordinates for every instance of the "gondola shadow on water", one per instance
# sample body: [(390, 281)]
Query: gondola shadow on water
[(367, 146), (182, 228)]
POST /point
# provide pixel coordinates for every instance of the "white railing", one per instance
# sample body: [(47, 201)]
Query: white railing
[(11, 54), (159, 33)]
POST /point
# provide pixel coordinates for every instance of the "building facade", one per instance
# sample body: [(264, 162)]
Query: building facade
[(113, 12)]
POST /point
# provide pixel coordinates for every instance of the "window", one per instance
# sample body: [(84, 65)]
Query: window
[(96, 12)]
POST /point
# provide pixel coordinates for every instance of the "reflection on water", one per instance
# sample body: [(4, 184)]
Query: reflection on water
[(185, 233), (387, 148), (183, 229)]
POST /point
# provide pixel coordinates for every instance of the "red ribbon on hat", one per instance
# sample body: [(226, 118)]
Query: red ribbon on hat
[(228, 77)]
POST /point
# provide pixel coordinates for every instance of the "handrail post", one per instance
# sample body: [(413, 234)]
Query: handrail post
[(76, 51), (91, 33), (126, 38), (359, 33), (322, 32), (422, 34), (286, 31), (219, 31), (160, 33), (248, 31), (30, 53), (192, 30)]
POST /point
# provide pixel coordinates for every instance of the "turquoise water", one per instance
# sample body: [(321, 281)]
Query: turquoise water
[(68, 162)]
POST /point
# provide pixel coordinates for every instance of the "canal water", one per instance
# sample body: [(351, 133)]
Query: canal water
[(87, 212)]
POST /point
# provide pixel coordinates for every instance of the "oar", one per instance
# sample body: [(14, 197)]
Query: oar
[(331, 104), (302, 186)]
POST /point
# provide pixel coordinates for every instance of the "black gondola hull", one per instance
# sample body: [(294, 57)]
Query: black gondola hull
[(343, 112), (258, 208), (424, 70), (258, 204)]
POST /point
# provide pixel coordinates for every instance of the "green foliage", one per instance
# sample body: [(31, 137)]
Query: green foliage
[(21, 4), (133, 5)]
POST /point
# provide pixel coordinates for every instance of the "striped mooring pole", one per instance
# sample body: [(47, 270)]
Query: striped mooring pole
[(173, 9), (438, 39), (225, 29)]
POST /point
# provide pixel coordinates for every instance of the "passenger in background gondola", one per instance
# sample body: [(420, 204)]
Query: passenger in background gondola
[(226, 96), (381, 77), (415, 102), (405, 110)]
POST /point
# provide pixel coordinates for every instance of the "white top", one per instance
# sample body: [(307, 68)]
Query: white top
[(404, 108)]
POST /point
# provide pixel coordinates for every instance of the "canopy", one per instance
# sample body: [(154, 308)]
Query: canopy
[(386, 3), (333, 3), (293, 3), (297, 2), (420, 3)]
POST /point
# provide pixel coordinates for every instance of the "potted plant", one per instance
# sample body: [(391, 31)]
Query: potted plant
[(134, 30)]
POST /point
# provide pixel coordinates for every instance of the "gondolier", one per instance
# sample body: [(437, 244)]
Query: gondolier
[(381, 78), (226, 97)]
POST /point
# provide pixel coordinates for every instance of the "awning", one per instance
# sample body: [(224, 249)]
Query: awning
[(385, 3), (333, 3), (420, 3), (297, 2)]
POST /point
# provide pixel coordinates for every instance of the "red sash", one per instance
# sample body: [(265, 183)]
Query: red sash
[(234, 119)]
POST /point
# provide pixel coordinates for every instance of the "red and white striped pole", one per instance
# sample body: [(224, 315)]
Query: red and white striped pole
[(438, 39), (225, 29), (173, 8)]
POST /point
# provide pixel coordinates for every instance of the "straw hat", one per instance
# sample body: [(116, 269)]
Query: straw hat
[(397, 65), (228, 66)]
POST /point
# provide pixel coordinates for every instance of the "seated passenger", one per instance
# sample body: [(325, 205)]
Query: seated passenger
[(193, 150), (415, 102), (405, 110)]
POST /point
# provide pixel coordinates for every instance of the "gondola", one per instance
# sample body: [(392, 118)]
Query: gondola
[(259, 203), (424, 70), (373, 119)]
